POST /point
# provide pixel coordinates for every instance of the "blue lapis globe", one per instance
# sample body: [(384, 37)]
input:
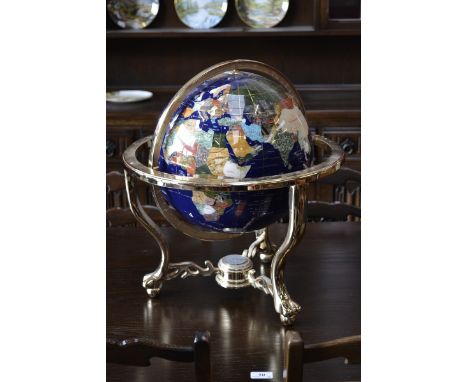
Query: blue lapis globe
[(236, 125)]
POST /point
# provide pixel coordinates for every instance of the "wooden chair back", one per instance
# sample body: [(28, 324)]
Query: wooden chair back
[(138, 352), (343, 176), (118, 212), (296, 354), (346, 184), (115, 190), (336, 211)]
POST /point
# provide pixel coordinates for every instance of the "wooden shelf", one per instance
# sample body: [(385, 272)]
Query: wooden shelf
[(305, 30)]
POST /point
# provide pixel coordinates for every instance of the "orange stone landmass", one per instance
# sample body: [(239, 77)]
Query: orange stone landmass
[(237, 139)]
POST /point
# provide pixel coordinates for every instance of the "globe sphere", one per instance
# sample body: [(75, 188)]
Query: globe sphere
[(236, 125)]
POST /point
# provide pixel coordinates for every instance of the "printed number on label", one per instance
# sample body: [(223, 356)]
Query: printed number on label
[(261, 375)]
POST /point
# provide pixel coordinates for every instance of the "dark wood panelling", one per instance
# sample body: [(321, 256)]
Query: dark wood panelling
[(344, 9), (304, 60), (340, 15)]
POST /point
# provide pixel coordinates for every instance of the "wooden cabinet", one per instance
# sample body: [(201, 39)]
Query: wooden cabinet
[(318, 53)]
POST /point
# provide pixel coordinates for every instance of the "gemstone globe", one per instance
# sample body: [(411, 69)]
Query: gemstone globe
[(235, 125)]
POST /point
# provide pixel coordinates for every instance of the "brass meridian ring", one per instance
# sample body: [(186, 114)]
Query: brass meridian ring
[(223, 67)]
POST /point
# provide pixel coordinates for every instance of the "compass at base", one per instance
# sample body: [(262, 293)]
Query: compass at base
[(233, 271)]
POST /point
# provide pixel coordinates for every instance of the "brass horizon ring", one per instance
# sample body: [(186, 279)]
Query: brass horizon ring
[(157, 178)]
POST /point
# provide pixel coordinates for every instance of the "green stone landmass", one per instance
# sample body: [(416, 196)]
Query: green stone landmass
[(205, 138), (219, 140), (203, 170), (284, 142)]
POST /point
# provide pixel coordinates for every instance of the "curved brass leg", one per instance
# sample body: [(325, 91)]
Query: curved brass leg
[(152, 282), (284, 305), (267, 250), (261, 245)]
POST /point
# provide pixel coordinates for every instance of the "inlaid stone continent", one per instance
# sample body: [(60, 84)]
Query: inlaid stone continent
[(236, 125)]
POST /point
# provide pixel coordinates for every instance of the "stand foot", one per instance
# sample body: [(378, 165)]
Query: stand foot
[(152, 285), (288, 312), (287, 320), (153, 293)]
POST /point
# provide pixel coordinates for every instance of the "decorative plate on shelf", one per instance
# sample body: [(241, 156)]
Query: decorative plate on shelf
[(132, 14), (126, 96), (201, 14), (262, 13)]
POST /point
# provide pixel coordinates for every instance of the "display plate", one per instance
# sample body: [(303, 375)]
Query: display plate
[(132, 14), (201, 14), (127, 96), (262, 13)]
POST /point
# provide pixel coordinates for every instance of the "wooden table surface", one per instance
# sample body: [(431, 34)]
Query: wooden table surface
[(322, 275)]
